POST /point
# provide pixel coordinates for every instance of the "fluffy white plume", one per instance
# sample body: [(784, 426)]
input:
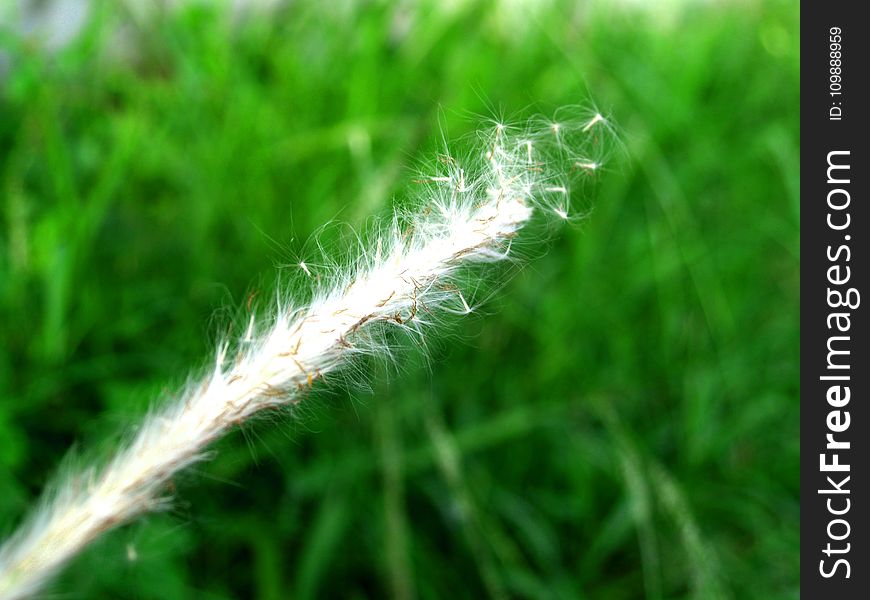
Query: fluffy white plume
[(471, 215)]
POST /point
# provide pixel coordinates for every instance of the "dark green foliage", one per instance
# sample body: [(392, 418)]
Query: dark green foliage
[(621, 422)]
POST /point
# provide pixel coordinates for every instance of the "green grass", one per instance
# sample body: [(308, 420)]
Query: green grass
[(622, 422)]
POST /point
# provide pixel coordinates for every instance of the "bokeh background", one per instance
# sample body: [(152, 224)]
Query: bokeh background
[(620, 421)]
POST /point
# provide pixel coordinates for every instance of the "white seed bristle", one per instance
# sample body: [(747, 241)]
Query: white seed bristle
[(596, 119), (412, 274)]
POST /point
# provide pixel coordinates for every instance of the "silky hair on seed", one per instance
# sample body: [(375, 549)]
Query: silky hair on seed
[(466, 212)]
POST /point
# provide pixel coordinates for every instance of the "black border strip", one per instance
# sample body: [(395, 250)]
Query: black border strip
[(834, 336)]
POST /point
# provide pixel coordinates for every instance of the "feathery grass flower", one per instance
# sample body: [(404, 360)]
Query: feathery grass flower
[(414, 270)]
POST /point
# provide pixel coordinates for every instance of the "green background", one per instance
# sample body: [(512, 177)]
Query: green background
[(620, 421)]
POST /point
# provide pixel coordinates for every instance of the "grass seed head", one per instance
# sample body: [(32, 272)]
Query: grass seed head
[(468, 210)]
